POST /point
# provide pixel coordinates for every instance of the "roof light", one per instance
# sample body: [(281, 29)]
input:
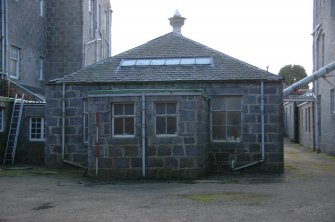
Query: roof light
[(167, 61)]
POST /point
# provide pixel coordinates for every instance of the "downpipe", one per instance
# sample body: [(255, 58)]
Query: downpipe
[(263, 137), (143, 135)]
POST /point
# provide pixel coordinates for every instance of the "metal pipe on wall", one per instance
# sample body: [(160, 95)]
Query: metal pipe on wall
[(63, 121), (305, 81), (143, 135)]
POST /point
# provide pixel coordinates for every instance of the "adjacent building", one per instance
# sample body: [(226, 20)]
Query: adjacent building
[(324, 88), (311, 120), (171, 107), (44, 40)]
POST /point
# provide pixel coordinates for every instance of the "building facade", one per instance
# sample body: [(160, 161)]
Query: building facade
[(43, 40), (323, 54), (46, 39), (168, 108)]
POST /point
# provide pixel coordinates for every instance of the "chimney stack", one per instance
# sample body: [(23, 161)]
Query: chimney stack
[(177, 21)]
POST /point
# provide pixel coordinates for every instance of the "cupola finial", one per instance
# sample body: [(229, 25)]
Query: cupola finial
[(177, 21)]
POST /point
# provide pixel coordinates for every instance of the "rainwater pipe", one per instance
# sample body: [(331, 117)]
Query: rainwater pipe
[(3, 38), (63, 121), (97, 144), (263, 137), (143, 135)]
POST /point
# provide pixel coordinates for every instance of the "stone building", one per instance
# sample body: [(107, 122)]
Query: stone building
[(324, 88), (169, 108), (299, 118), (43, 40), (316, 115)]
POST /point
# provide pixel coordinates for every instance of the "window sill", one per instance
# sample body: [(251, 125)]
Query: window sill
[(124, 136), (37, 140), (167, 135), (14, 77)]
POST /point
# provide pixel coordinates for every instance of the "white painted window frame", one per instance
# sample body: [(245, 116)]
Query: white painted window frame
[(16, 60), (42, 8), (166, 116), (211, 120), (41, 68), (123, 116), (42, 135)]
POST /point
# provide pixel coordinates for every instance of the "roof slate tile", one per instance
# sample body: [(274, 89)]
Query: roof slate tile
[(171, 45)]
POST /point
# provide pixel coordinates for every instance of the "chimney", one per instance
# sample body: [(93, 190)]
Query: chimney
[(177, 22)]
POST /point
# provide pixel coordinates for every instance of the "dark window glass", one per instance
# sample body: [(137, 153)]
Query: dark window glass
[(123, 119), (226, 118), (166, 118)]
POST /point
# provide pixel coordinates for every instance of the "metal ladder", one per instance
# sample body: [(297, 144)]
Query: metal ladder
[(14, 130)]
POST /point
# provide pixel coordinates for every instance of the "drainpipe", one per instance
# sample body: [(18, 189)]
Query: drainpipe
[(63, 121), (143, 135), (317, 117), (97, 144), (263, 137), (3, 38)]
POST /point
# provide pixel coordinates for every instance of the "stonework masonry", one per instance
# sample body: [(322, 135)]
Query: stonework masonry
[(189, 154)]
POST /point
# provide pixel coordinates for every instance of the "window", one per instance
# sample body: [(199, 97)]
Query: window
[(123, 119), (99, 16), (306, 126), (226, 118), (14, 62), (166, 118), (1, 120), (90, 10), (41, 68), (37, 129), (85, 119), (42, 8), (332, 100), (106, 22)]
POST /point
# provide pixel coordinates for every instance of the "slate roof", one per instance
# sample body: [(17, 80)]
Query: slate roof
[(171, 45)]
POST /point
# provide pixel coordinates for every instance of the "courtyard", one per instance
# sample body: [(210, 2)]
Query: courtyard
[(305, 192)]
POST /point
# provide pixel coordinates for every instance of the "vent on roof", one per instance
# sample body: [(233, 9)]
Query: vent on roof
[(167, 61)]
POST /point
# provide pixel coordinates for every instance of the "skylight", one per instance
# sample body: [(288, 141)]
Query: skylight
[(167, 61)]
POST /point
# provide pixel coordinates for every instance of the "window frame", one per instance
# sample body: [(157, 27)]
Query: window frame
[(16, 60), (226, 125), (1, 119), (166, 116), (123, 116), (42, 8), (41, 68), (42, 129), (91, 17)]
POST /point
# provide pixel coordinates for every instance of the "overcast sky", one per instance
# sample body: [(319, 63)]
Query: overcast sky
[(263, 33)]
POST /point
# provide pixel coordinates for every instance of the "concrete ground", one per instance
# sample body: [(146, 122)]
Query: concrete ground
[(306, 192)]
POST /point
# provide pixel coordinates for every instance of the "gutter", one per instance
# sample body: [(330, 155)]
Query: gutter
[(263, 137)]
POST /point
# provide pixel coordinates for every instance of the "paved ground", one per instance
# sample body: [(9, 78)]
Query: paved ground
[(306, 192)]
